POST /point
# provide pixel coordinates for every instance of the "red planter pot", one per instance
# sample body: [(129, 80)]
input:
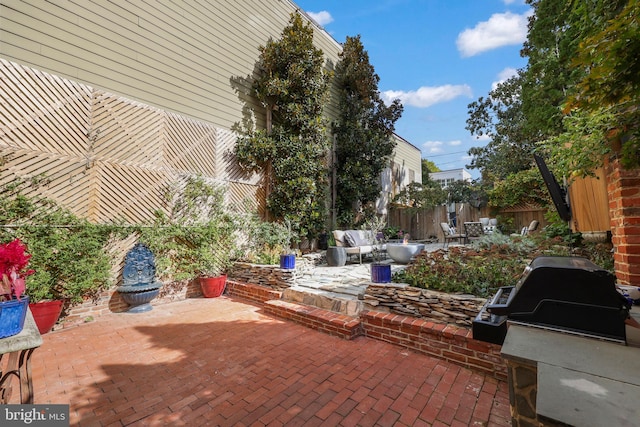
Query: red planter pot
[(46, 314), (213, 287)]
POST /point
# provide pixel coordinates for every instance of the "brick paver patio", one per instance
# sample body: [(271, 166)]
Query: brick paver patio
[(221, 362)]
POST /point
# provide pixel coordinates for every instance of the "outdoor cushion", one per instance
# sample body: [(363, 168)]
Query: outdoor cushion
[(363, 237), (339, 236), (350, 237)]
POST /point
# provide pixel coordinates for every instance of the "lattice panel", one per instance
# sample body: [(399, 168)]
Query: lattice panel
[(125, 131), (67, 178), (246, 197), (128, 193), (41, 112), (190, 145), (106, 157)]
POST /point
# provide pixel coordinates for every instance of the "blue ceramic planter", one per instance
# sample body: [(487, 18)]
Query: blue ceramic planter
[(380, 273), (288, 262), (12, 315)]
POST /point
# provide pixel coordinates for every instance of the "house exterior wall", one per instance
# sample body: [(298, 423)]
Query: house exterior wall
[(187, 63), (444, 177), (185, 56), (405, 168)]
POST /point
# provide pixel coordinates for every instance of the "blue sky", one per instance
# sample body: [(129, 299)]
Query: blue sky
[(437, 56)]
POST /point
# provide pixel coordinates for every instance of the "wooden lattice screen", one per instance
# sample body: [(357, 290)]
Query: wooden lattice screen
[(106, 157)]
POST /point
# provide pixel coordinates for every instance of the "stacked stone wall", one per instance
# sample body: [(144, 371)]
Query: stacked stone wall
[(423, 303)]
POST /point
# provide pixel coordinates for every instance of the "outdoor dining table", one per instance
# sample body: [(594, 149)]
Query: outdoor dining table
[(19, 349)]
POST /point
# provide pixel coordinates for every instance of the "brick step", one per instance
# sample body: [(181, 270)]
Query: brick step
[(319, 319)]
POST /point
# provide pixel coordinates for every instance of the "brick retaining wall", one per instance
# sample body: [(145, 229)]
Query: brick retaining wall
[(449, 342)]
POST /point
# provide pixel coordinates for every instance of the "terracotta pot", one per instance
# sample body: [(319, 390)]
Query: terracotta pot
[(213, 287), (46, 314)]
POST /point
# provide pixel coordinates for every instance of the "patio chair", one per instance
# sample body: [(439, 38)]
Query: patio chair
[(533, 226), (450, 234), (473, 230)]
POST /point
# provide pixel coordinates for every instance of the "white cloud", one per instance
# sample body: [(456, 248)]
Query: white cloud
[(433, 147), (484, 137), (427, 96), (322, 18), (502, 29), (455, 143), (503, 76)]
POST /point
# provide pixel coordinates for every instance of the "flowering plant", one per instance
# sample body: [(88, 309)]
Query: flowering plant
[(14, 260)]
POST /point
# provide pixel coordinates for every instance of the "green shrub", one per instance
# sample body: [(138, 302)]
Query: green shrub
[(198, 237), (67, 253), (491, 262), (265, 241)]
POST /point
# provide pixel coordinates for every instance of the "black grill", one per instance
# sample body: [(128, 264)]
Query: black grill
[(569, 294)]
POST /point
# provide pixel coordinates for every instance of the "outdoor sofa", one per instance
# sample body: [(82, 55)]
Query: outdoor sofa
[(357, 242)]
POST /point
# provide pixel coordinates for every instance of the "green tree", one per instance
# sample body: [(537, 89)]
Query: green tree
[(603, 109), (416, 196), (500, 116), (568, 41), (428, 167), (293, 88), (363, 131)]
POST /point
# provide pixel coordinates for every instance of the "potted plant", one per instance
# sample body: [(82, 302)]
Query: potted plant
[(213, 250), (67, 253), (380, 273), (288, 256), (13, 304), (197, 240)]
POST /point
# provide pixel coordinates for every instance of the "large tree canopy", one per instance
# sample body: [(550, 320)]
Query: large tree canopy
[(363, 131), (576, 98), (500, 116), (606, 98), (291, 153)]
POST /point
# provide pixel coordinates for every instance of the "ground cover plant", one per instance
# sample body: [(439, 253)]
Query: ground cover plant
[(495, 260)]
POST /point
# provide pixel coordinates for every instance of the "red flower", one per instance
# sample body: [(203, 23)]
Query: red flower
[(14, 260)]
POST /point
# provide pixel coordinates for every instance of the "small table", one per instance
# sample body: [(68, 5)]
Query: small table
[(403, 252), (19, 347)]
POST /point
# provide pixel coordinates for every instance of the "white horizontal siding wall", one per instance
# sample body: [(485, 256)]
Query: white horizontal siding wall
[(186, 56)]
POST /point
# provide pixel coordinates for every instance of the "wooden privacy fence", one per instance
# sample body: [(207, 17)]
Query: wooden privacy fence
[(425, 223), (105, 157)]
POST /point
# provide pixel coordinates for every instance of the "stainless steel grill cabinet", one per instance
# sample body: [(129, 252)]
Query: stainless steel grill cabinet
[(569, 294)]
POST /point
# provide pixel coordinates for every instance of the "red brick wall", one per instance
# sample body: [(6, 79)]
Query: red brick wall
[(251, 292), (444, 341), (623, 187)]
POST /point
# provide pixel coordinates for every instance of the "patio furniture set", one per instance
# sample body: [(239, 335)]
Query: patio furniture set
[(475, 230), (359, 243)]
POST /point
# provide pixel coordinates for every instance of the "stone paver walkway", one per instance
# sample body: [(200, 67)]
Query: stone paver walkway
[(339, 289), (221, 362)]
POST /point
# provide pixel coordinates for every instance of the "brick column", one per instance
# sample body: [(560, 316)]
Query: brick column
[(623, 187)]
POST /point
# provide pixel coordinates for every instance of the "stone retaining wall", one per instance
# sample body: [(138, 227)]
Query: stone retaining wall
[(271, 276), (423, 303)]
